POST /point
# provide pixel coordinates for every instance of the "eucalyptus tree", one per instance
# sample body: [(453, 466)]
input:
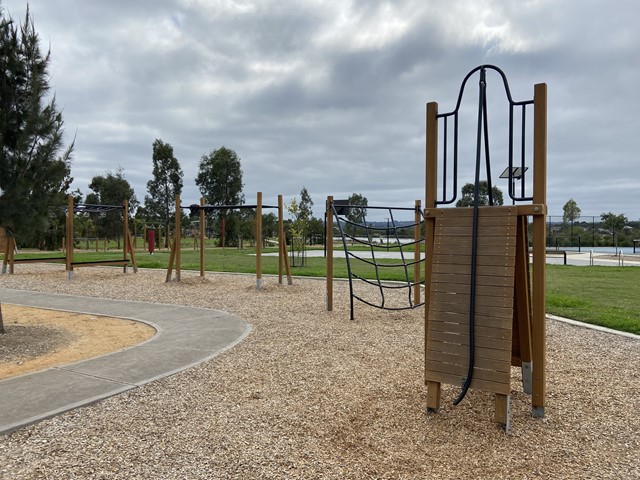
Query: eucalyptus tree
[(111, 189), (220, 181), (160, 202)]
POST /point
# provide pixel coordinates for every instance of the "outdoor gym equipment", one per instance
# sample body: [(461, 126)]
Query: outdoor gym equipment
[(483, 313), (338, 209), (283, 260), (68, 258)]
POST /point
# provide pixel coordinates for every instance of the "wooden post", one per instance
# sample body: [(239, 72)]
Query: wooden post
[(177, 233), (280, 235), (282, 242), (538, 333), (125, 233), (9, 249), (129, 244), (12, 253), (329, 244), (69, 237), (417, 236), (5, 257), (431, 191), (132, 251), (259, 241), (202, 232)]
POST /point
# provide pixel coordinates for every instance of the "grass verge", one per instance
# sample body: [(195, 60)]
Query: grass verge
[(605, 296)]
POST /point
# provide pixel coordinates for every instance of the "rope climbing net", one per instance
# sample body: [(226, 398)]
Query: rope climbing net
[(383, 261)]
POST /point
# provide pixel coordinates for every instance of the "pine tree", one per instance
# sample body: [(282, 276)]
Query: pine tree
[(33, 174)]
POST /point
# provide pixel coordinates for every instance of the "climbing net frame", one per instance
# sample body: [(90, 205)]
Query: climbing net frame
[(410, 264)]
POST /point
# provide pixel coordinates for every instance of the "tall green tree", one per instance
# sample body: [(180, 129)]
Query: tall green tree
[(159, 204), (468, 192), (357, 213), (302, 214), (306, 205), (614, 223), (111, 189), (35, 167), (297, 228), (571, 211), (220, 181)]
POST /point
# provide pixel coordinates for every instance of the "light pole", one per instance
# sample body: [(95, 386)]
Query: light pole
[(387, 234)]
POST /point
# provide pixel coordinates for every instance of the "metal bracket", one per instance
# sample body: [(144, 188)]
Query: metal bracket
[(527, 377)]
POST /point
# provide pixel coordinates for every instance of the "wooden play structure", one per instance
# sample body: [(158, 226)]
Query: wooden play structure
[(484, 311), (201, 209), (409, 263), (68, 258)]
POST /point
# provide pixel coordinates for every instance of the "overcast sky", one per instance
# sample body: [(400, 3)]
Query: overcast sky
[(331, 94)]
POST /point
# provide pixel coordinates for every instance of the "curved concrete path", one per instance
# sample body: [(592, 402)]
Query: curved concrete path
[(185, 336)]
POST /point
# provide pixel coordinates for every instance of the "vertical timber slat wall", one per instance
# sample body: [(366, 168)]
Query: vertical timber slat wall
[(447, 351)]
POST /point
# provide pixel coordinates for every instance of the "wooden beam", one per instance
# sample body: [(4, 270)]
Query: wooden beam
[(538, 333), (431, 192), (329, 249), (259, 241), (202, 236), (177, 236)]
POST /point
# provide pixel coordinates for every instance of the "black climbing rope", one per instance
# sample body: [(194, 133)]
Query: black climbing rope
[(482, 122)]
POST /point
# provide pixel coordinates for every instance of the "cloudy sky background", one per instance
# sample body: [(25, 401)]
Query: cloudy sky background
[(331, 94)]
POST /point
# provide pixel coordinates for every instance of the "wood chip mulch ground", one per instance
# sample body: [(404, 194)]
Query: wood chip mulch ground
[(309, 394)]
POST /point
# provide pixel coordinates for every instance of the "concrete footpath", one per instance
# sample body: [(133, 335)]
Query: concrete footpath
[(185, 336)]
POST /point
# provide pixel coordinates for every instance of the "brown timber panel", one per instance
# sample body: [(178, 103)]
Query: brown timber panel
[(447, 350)]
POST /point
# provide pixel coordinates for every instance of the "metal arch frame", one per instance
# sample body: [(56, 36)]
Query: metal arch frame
[(444, 117)]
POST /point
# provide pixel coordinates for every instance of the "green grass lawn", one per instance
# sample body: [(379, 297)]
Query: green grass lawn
[(607, 296)]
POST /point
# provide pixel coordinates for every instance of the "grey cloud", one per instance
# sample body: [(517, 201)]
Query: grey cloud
[(302, 97)]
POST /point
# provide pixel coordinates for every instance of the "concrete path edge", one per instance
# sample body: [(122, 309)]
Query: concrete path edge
[(185, 337)]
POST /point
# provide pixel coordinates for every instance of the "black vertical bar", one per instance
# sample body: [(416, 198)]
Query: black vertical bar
[(444, 161), (522, 152), (511, 189), (455, 155), (487, 155)]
